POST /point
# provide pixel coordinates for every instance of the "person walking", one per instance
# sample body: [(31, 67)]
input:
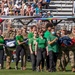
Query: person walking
[(41, 50), (9, 35), (47, 33), (53, 50), (24, 34), (20, 51), (72, 50), (1, 50), (64, 50), (33, 47)]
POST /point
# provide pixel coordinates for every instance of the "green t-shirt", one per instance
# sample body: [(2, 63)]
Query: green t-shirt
[(42, 43), (30, 35), (53, 47), (19, 38), (47, 34), (32, 41), (1, 42)]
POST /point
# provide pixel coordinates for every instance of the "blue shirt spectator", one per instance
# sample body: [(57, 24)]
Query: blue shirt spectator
[(49, 14), (48, 1), (37, 10)]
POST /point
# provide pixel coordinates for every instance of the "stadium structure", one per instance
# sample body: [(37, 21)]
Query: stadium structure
[(57, 8)]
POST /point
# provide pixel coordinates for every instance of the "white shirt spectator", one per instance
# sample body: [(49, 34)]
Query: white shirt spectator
[(17, 5), (18, 1), (25, 6), (6, 9)]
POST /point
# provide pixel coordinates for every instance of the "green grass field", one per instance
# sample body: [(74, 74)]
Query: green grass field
[(30, 72)]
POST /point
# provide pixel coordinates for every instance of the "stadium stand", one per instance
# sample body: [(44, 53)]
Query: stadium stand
[(63, 8), (57, 8)]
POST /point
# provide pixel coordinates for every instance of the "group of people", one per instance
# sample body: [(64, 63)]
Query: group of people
[(21, 7), (54, 47), (9, 35), (47, 47)]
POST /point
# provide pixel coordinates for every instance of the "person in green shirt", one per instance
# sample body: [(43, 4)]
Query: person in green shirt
[(25, 34), (1, 50), (53, 49), (33, 47), (41, 51), (47, 33), (30, 34), (20, 51), (48, 30)]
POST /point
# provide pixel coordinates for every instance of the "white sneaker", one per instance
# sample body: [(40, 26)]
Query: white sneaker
[(16, 68)]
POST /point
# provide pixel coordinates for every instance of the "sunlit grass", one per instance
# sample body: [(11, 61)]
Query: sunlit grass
[(28, 71)]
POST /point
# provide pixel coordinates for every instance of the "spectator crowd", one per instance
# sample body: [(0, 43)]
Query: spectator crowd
[(23, 7)]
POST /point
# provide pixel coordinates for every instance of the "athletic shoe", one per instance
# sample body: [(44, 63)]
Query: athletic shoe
[(38, 70), (16, 68)]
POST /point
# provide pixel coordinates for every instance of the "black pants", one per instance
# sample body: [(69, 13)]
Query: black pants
[(47, 62), (33, 59), (52, 61), (19, 52), (41, 57), (1, 57), (55, 58)]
